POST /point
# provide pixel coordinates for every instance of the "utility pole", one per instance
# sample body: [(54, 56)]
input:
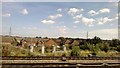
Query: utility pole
[(10, 31), (87, 35)]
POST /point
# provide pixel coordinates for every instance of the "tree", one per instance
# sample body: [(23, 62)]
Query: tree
[(115, 42), (86, 46), (118, 48), (62, 40), (95, 49), (104, 46), (96, 40), (75, 51)]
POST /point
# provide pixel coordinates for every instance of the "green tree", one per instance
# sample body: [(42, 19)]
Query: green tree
[(96, 40), (95, 49), (87, 46), (75, 51), (118, 48), (62, 40), (115, 42), (105, 46)]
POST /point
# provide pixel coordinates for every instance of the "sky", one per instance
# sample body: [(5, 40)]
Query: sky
[(56, 19), (59, 0)]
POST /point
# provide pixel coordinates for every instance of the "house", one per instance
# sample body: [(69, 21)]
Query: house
[(76, 43), (50, 42), (67, 41)]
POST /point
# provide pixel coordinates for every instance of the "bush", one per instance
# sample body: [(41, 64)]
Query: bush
[(104, 46), (118, 48), (75, 51)]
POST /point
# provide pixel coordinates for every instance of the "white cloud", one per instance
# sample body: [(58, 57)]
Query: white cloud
[(104, 10), (116, 18), (86, 21), (55, 16), (76, 22), (82, 9), (73, 11), (59, 9), (6, 15), (24, 11), (104, 20), (92, 12), (48, 21), (78, 17)]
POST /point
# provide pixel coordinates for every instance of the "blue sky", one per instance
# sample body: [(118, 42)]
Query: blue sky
[(67, 19), (59, 0)]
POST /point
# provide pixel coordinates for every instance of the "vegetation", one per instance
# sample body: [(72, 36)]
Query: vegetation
[(75, 51), (84, 48)]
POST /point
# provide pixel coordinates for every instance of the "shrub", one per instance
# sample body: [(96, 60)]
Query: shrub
[(118, 48), (75, 51)]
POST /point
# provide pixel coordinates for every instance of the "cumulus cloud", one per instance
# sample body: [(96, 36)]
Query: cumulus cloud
[(104, 10), (6, 15), (60, 9), (92, 12), (55, 16), (76, 22), (88, 21), (24, 11), (104, 20), (85, 20), (73, 11), (78, 17), (48, 21)]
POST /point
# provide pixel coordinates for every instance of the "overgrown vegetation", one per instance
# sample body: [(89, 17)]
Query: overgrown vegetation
[(85, 47), (75, 51)]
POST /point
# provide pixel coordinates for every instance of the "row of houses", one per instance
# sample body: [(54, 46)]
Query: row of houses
[(47, 42)]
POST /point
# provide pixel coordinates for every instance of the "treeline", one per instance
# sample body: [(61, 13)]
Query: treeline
[(94, 44)]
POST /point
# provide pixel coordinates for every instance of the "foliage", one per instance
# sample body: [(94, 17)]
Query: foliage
[(106, 47), (118, 48), (96, 40), (114, 42), (87, 46), (67, 46), (15, 42), (75, 51), (5, 51), (62, 40), (95, 49)]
